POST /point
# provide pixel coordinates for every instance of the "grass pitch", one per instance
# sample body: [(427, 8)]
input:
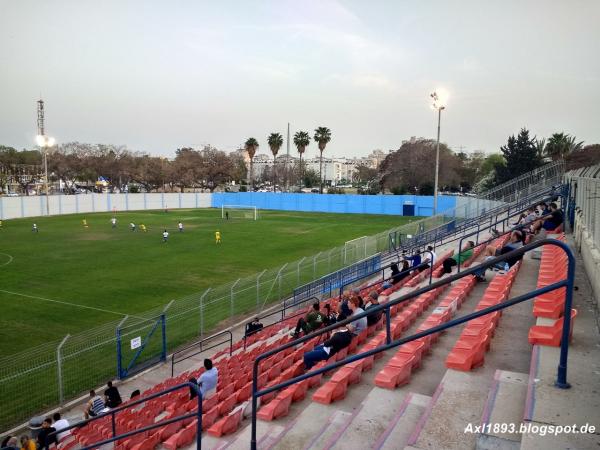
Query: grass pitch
[(67, 278)]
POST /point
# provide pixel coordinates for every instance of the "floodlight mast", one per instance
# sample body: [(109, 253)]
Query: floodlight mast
[(439, 97)]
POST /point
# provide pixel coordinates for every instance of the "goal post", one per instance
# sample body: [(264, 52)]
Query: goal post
[(239, 212)]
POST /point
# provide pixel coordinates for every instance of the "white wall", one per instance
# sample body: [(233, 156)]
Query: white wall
[(34, 206)]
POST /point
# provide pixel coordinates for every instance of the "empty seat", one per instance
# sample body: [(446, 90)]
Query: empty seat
[(550, 335)]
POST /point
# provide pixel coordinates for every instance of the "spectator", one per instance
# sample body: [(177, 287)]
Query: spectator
[(253, 326), (134, 394), (27, 443), (515, 242), (527, 217), (42, 437), (465, 254), (12, 443), (61, 424), (429, 259), (330, 317), (415, 259), (94, 406), (193, 392), (5, 441), (339, 339), (313, 320), (400, 274), (543, 209), (372, 302), (549, 221), (112, 398), (356, 293), (209, 379), (344, 311)]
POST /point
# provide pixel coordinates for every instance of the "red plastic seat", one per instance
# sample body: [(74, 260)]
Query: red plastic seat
[(279, 407), (227, 424), (550, 335), (227, 405), (210, 417)]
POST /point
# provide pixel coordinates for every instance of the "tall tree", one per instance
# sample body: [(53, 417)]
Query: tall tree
[(521, 156), (251, 145), (587, 156), (275, 141), (301, 141), (322, 137), (560, 145)]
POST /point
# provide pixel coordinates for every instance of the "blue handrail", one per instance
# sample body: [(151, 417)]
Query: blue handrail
[(160, 424), (561, 381)]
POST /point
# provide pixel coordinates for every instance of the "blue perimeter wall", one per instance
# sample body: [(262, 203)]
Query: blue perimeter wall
[(334, 203)]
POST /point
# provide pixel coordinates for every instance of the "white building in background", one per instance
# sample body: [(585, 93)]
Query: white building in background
[(335, 170)]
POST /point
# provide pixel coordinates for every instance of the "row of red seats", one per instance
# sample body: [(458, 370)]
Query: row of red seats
[(553, 268), (474, 341), (398, 369)]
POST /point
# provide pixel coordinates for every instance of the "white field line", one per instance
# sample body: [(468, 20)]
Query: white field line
[(10, 259), (65, 303)]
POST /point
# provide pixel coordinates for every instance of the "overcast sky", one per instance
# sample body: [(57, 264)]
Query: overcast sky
[(158, 75)]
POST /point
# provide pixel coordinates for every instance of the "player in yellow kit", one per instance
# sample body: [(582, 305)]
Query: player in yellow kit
[(217, 237), (143, 228), (84, 222)]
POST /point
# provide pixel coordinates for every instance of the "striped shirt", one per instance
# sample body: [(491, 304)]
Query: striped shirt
[(97, 405)]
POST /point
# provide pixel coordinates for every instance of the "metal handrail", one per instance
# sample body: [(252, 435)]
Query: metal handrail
[(562, 368), (202, 349), (162, 423)]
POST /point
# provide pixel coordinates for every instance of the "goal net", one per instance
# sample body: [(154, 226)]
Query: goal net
[(239, 212)]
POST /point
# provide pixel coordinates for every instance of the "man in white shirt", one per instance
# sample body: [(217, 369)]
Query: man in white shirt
[(113, 222), (60, 424), (165, 235), (209, 379), (180, 226)]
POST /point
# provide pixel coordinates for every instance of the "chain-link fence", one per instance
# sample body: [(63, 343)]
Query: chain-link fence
[(49, 375), (585, 193)]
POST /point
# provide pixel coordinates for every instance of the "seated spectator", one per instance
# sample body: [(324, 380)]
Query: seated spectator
[(12, 443), (134, 394), (542, 209), (515, 242), (344, 311), (112, 398), (431, 257), (415, 260), (400, 274), (60, 424), (27, 443), (209, 379), (313, 320), (339, 339), (193, 392), (253, 327), (5, 441), (330, 317), (94, 406), (372, 302), (527, 217), (549, 221), (466, 253), (356, 293), (47, 428)]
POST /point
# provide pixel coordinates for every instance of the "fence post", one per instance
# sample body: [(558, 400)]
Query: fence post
[(299, 263), (279, 279), (258, 288), (202, 312), (231, 306), (61, 393), (315, 265)]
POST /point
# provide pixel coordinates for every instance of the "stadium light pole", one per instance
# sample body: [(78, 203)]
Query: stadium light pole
[(45, 142), (439, 97)]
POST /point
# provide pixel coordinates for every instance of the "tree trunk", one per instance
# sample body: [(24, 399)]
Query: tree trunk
[(274, 177), (251, 175)]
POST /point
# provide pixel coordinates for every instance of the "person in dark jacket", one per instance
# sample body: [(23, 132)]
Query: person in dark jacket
[(372, 302), (112, 398)]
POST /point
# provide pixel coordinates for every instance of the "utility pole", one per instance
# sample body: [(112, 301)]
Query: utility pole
[(287, 159)]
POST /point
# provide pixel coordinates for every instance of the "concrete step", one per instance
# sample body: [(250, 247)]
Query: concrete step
[(384, 420), (503, 411), (317, 427), (458, 401)]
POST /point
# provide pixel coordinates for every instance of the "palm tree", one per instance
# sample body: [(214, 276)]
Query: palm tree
[(251, 145), (560, 145), (301, 141), (540, 148), (275, 141), (322, 137)]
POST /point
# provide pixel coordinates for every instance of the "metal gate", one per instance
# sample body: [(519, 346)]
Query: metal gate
[(140, 346)]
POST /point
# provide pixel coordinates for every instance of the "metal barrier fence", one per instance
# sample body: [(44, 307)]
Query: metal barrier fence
[(585, 196), (48, 375)]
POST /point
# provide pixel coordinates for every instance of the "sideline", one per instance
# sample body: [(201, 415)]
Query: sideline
[(9, 260), (66, 303)]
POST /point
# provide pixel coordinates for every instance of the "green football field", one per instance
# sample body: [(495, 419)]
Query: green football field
[(67, 278)]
